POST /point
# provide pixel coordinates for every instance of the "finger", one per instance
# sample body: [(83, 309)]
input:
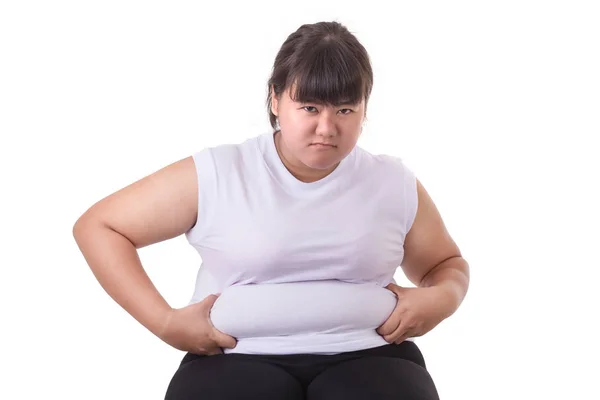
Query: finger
[(209, 301), (400, 339), (400, 331), (389, 325), (392, 286), (214, 352), (224, 340), (408, 333)]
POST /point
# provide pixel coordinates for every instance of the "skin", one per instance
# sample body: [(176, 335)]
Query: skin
[(432, 260), (164, 205), (305, 124)]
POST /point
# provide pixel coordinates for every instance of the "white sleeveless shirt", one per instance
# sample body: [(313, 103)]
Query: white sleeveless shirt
[(301, 267)]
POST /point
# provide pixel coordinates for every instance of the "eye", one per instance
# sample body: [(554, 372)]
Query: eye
[(311, 109)]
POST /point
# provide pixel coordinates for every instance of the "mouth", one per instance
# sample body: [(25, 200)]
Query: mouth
[(323, 145)]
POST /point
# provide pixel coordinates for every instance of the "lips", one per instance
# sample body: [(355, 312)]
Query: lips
[(323, 145)]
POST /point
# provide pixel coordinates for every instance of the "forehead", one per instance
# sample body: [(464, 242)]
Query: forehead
[(314, 100)]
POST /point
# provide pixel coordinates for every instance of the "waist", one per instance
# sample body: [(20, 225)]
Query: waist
[(317, 315), (324, 344)]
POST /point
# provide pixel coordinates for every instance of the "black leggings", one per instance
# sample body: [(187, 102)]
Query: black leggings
[(393, 371)]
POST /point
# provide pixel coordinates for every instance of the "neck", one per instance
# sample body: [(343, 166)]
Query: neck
[(296, 168)]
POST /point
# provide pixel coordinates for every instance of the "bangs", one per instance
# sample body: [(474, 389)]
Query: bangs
[(328, 76)]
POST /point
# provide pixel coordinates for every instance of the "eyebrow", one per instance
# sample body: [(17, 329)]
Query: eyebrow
[(341, 103)]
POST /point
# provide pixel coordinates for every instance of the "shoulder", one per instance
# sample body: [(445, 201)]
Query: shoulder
[(385, 164), (223, 156)]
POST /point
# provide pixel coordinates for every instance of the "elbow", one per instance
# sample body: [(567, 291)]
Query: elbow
[(83, 225), (79, 228)]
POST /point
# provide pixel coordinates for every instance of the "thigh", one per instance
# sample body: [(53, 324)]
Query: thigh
[(381, 378), (227, 376), (407, 350)]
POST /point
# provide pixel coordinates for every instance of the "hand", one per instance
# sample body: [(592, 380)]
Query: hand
[(418, 310), (190, 329)]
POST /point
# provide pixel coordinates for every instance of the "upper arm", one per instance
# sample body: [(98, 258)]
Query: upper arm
[(428, 242), (158, 207)]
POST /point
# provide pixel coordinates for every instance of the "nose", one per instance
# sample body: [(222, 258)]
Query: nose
[(326, 124)]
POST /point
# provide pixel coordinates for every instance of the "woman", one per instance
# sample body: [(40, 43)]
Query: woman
[(300, 232)]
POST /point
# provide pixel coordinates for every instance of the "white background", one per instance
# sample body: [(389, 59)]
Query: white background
[(494, 105)]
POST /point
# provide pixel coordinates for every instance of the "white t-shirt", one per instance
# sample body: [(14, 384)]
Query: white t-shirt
[(301, 267)]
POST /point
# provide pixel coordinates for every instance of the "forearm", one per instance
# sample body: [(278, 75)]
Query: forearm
[(116, 265), (452, 276)]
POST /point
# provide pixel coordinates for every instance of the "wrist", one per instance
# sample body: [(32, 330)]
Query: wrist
[(451, 279), (163, 322), (448, 298)]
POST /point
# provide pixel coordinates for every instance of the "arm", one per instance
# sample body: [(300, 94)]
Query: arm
[(158, 207), (432, 258)]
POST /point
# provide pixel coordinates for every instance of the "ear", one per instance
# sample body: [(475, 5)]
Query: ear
[(274, 103)]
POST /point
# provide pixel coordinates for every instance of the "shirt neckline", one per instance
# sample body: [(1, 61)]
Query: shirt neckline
[(289, 181)]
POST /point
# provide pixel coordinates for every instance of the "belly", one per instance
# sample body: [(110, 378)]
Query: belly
[(267, 310)]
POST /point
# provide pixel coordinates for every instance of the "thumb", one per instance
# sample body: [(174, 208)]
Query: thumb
[(220, 338), (392, 285), (224, 340), (395, 288), (209, 302)]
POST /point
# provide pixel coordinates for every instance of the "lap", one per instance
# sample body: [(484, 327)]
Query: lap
[(374, 377), (386, 372), (229, 377)]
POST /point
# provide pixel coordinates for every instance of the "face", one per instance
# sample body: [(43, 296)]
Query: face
[(315, 137)]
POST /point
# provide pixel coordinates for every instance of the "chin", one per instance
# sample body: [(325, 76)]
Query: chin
[(321, 164)]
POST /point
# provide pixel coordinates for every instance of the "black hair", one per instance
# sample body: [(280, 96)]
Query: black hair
[(324, 63)]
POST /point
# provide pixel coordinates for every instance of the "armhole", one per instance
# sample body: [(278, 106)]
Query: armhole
[(411, 197), (207, 192)]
